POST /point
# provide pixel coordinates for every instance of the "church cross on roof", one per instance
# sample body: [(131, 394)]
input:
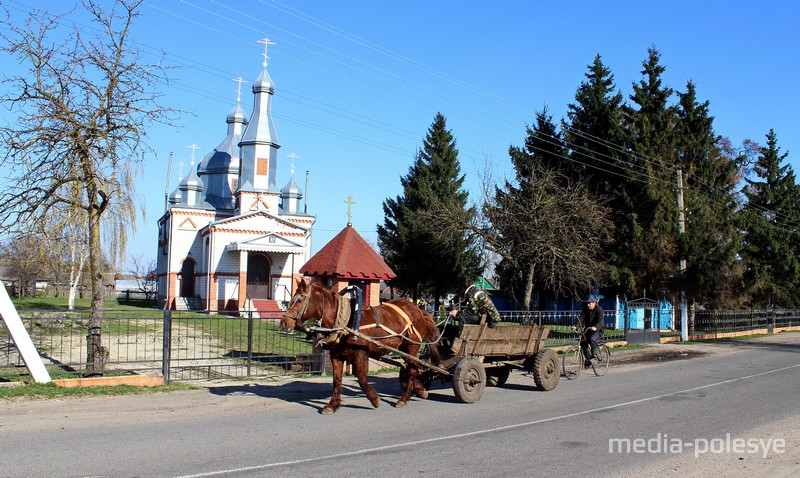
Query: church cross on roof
[(349, 203)]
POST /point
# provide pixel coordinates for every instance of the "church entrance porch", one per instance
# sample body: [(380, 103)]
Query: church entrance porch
[(259, 284), (187, 278)]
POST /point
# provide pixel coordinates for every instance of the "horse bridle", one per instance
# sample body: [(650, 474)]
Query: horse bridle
[(297, 317)]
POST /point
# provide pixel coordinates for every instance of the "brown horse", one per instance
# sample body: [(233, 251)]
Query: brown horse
[(400, 324)]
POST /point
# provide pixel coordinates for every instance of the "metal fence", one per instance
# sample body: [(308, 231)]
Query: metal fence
[(179, 345), (193, 346), (722, 321), (559, 323)]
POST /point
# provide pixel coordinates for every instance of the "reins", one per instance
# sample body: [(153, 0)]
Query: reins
[(318, 328)]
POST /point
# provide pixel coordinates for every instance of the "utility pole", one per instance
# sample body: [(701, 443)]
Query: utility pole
[(682, 267), (305, 206), (166, 188)]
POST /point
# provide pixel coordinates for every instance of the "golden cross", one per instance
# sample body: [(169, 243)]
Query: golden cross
[(349, 203)]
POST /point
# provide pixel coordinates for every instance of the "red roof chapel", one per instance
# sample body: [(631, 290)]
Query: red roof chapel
[(346, 260)]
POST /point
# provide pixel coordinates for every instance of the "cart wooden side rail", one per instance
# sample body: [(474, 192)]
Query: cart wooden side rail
[(502, 341)]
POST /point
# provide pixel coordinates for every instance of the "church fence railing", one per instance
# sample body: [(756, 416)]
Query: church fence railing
[(177, 345), (200, 346)]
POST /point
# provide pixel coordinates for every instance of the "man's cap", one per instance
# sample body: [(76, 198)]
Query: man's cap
[(590, 299)]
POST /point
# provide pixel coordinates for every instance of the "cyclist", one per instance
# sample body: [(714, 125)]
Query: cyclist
[(590, 321)]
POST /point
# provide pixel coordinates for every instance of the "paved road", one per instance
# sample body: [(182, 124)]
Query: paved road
[(744, 390)]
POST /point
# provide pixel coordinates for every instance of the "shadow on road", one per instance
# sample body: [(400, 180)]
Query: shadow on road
[(315, 394)]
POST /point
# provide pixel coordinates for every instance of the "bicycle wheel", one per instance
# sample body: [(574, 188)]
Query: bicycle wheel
[(601, 362), (572, 362)]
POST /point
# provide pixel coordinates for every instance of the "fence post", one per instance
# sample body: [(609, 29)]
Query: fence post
[(249, 341), (166, 351), (770, 319)]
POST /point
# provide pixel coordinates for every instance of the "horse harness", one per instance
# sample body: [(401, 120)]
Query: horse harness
[(409, 324)]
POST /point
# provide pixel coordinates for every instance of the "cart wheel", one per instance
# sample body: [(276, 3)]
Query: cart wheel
[(469, 380), (545, 369), (497, 376)]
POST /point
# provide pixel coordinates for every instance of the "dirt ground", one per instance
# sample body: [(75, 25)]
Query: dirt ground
[(660, 353)]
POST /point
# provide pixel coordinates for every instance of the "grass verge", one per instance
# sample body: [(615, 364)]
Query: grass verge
[(51, 391)]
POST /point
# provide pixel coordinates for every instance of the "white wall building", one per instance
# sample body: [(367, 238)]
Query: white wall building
[(230, 240)]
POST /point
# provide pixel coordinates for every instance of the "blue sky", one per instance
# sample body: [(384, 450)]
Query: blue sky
[(358, 83)]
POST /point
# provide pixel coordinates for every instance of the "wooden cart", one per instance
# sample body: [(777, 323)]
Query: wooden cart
[(479, 356)]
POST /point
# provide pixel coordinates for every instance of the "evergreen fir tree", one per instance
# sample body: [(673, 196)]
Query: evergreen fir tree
[(545, 226), (425, 260), (711, 240), (770, 218), (651, 123), (597, 145), (544, 150)]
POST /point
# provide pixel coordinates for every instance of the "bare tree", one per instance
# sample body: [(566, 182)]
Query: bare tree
[(83, 108), (551, 232), (24, 259), (145, 276)]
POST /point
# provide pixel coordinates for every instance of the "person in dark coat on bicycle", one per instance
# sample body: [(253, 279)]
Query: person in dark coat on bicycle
[(590, 321)]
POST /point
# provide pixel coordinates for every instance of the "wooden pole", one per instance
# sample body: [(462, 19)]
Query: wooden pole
[(423, 363)]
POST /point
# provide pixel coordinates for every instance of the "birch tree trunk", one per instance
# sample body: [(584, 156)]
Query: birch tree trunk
[(75, 274)]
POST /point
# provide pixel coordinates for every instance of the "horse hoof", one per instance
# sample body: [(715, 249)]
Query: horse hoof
[(376, 403), (327, 411), (401, 404), (422, 393)]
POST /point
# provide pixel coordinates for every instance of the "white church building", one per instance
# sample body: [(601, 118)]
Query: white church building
[(230, 239)]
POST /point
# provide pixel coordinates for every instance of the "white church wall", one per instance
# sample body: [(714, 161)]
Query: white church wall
[(282, 277), (228, 291)]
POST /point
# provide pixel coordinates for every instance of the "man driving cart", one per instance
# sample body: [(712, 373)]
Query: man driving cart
[(478, 304)]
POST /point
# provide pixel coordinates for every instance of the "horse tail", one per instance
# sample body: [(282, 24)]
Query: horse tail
[(431, 335)]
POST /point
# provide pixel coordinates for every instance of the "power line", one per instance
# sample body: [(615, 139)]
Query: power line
[(634, 169)]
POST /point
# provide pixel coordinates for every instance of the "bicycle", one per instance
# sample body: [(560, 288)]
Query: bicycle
[(574, 360)]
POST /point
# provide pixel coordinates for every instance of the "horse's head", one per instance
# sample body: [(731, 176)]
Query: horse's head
[(297, 312)]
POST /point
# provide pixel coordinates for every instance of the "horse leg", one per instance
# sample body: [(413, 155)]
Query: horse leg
[(411, 386), (419, 387), (360, 368), (336, 397)]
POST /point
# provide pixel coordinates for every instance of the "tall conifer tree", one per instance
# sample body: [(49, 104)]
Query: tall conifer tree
[(771, 219), (543, 150), (597, 140), (546, 227), (651, 122), (712, 240), (425, 260)]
